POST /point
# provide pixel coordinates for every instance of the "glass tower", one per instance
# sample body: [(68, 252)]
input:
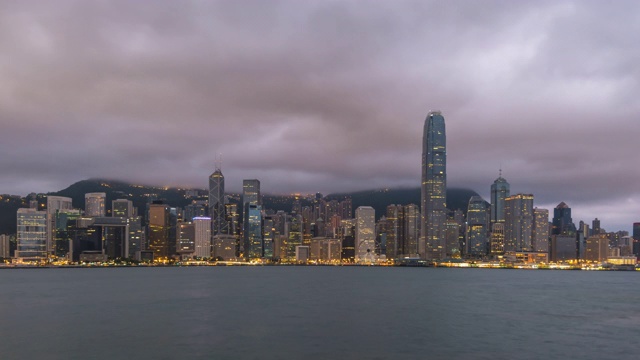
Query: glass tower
[(216, 203), (500, 190), (434, 187)]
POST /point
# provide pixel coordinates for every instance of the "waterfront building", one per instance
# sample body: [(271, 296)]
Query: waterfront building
[(434, 187), (563, 247), (518, 222), (597, 248), (500, 191), (158, 231), (453, 239), (326, 249), (202, 238), (216, 203), (269, 236), (186, 242), (636, 239), (253, 246), (497, 239), (365, 234), (303, 253), (5, 246), (94, 204), (477, 227), (31, 235), (54, 205), (224, 247), (540, 235)]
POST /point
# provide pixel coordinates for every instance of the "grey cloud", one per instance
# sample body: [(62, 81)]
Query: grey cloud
[(323, 95)]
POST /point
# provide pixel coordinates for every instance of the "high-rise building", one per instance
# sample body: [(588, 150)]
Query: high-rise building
[(562, 222), (94, 204), (186, 241), (216, 203), (518, 223), (595, 226), (55, 204), (31, 235), (597, 248), (122, 208), (393, 231), (5, 247), (540, 235), (158, 231), (477, 227), (202, 227), (365, 241), (497, 239), (253, 244), (251, 192), (500, 190), (636, 239), (434, 187)]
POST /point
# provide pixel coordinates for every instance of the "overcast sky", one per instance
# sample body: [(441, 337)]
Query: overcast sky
[(326, 96)]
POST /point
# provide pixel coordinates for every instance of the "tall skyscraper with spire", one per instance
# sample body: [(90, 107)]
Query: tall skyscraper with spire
[(500, 190), (434, 187), (216, 202)]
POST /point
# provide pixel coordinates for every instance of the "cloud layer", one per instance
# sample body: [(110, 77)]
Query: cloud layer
[(325, 95)]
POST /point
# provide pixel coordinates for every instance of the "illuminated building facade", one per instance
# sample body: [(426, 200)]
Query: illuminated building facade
[(477, 227), (365, 240), (216, 203), (186, 242), (122, 208), (158, 231), (518, 222), (434, 187), (253, 247), (202, 239), (94, 204), (31, 235), (597, 248), (497, 239), (500, 191), (540, 235)]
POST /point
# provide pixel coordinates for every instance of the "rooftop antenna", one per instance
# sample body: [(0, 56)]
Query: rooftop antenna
[(218, 161)]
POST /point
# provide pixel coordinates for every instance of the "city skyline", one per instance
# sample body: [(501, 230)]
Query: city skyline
[(326, 97)]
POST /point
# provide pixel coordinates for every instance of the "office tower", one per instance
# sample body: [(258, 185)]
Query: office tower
[(186, 241), (216, 203), (269, 236), (518, 222), (477, 227), (94, 204), (136, 237), (62, 238), (251, 192), (253, 246), (595, 226), (497, 239), (453, 239), (393, 231), (5, 247), (636, 239), (540, 235), (562, 223), (346, 208), (55, 204), (563, 247), (411, 230), (158, 231), (597, 248), (122, 208), (202, 228), (294, 236), (197, 208), (365, 241), (500, 190), (434, 187), (31, 235)]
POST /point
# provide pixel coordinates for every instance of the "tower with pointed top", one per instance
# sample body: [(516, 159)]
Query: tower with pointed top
[(500, 190), (216, 202), (434, 187)]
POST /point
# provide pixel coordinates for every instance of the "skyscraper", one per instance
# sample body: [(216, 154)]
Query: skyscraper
[(31, 235), (216, 203), (365, 241), (202, 227), (94, 204), (540, 237), (158, 231), (500, 190), (518, 223), (636, 239), (122, 208), (434, 187), (562, 222), (477, 227), (252, 219)]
